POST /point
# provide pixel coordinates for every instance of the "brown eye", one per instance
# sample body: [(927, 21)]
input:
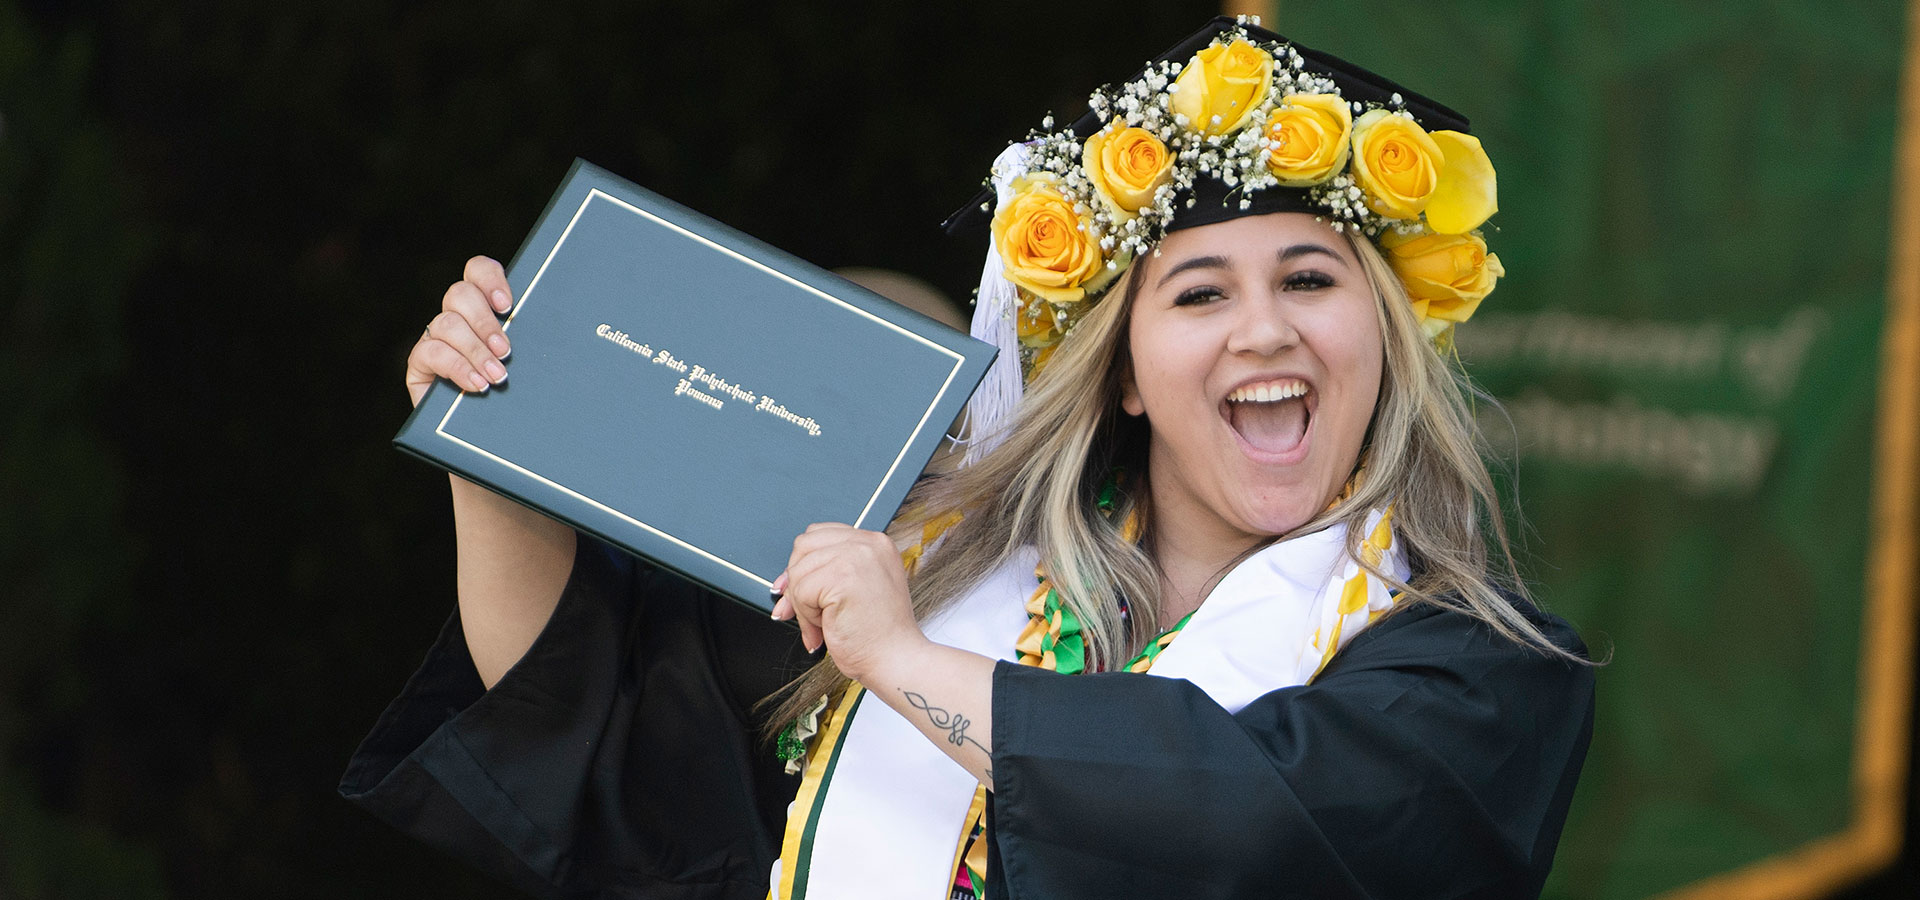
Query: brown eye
[(1309, 280), (1192, 296)]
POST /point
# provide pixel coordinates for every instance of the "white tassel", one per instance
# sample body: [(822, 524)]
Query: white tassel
[(990, 411)]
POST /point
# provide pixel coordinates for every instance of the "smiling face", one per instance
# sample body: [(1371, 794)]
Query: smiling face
[(1256, 359)]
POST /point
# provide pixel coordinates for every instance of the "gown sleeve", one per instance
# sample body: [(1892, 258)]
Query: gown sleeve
[(608, 761), (1432, 759)]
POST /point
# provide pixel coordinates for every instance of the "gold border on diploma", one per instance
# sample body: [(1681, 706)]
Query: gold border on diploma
[(1884, 712), (527, 295)]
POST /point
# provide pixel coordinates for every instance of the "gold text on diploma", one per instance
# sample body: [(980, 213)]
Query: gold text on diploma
[(703, 385), (623, 339)]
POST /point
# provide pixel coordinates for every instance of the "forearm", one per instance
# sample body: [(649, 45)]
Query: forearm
[(512, 565), (947, 693)]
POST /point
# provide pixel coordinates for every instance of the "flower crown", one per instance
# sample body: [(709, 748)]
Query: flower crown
[(1248, 124)]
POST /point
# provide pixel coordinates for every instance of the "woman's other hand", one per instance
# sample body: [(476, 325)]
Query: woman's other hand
[(848, 590), (465, 343)]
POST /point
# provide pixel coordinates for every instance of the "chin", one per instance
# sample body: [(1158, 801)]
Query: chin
[(1281, 512), (1282, 526)]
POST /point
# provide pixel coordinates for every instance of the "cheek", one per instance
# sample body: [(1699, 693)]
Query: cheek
[(1343, 335), (1144, 365), (1130, 394), (1166, 363), (1130, 378), (1361, 352)]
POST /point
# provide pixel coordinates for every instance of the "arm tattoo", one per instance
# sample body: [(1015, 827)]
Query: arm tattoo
[(955, 723)]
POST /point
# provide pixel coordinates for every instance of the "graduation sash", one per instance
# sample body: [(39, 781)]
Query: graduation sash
[(882, 812)]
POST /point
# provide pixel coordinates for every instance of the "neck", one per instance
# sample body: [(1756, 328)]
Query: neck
[(1193, 552)]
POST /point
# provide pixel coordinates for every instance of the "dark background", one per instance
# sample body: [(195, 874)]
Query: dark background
[(221, 226)]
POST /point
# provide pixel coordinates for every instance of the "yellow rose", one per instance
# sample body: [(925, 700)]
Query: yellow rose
[(1039, 361), (1466, 194), (1036, 324), (1126, 165), (1395, 162), (1222, 86), (1309, 134), (1446, 275), (1045, 247)]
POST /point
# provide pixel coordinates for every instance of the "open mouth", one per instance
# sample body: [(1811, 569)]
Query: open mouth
[(1271, 416)]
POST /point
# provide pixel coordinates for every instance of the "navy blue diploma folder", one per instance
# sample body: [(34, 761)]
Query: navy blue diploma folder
[(693, 395)]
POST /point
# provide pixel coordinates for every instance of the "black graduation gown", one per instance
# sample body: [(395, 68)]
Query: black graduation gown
[(620, 758)]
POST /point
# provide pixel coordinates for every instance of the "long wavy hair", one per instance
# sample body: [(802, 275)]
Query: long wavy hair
[(1423, 454)]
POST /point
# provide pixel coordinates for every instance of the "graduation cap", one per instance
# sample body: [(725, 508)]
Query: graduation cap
[(1356, 85)]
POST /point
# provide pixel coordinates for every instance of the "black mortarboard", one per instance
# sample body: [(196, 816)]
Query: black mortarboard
[(1212, 197)]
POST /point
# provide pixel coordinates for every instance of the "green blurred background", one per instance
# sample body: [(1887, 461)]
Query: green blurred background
[(222, 223)]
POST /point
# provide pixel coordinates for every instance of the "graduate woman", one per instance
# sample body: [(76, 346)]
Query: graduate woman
[(1220, 606)]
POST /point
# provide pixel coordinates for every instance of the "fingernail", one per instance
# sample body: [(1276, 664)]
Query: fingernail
[(780, 584), (498, 343), (496, 371), (499, 300), (477, 381)]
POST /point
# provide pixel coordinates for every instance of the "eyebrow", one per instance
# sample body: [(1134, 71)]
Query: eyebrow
[(1298, 250), (1220, 262), (1197, 262)]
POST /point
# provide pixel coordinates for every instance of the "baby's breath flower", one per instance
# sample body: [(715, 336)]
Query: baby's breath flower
[(1239, 161)]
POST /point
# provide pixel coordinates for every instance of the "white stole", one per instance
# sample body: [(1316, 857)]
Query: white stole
[(896, 807)]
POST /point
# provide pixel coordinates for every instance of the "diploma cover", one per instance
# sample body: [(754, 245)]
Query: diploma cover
[(693, 395)]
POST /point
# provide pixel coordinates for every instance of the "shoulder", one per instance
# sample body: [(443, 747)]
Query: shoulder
[(1447, 620), (1438, 643)]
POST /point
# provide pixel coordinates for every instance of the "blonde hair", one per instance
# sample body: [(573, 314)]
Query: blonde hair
[(1039, 488)]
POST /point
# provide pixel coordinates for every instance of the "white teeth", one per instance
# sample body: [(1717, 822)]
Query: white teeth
[(1269, 391)]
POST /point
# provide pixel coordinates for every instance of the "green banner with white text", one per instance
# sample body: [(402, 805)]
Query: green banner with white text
[(1694, 222)]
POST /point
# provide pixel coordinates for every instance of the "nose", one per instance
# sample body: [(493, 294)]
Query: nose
[(1265, 329)]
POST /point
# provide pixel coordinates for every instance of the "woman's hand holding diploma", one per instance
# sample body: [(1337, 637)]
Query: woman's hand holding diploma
[(847, 589), (464, 343)]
